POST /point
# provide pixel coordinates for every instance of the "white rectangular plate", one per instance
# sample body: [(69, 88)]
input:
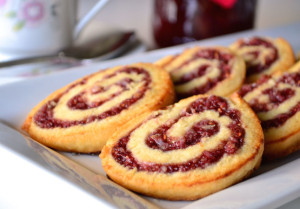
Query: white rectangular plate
[(271, 186)]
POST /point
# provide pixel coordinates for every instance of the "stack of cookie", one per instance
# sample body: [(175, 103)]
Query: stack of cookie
[(186, 126)]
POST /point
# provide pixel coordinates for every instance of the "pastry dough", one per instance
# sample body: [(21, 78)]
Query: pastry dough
[(189, 150), (83, 115)]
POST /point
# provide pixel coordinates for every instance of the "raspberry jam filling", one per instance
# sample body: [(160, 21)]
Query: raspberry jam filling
[(209, 54), (159, 139), (44, 118), (260, 67), (250, 87), (280, 119), (81, 102), (276, 97)]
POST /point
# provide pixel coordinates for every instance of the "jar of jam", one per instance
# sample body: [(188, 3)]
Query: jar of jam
[(180, 21)]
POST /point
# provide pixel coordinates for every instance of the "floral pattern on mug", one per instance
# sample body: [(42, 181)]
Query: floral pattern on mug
[(33, 11), (28, 13)]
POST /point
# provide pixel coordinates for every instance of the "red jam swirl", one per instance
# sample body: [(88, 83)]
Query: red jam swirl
[(159, 139), (276, 97), (81, 102), (280, 119), (246, 88), (44, 118), (209, 54), (258, 68)]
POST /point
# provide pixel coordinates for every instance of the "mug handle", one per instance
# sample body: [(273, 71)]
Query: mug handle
[(88, 17)]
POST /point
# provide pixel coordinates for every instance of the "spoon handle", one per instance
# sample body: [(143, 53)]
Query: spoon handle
[(88, 17), (36, 59)]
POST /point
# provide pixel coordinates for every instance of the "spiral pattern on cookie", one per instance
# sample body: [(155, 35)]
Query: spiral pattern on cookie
[(258, 53), (276, 101), (95, 105), (264, 55), (191, 138), (215, 70), (109, 94)]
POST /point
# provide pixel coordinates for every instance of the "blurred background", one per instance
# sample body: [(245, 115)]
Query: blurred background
[(37, 36), (137, 15)]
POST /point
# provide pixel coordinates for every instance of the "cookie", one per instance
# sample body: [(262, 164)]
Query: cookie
[(186, 151), (205, 70), (264, 55), (276, 101), (83, 115)]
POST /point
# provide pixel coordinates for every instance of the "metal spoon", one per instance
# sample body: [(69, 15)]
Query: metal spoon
[(100, 48)]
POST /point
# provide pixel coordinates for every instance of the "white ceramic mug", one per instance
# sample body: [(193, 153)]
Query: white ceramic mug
[(39, 27)]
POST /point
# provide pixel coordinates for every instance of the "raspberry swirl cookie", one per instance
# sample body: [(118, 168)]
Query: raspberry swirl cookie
[(276, 101), (264, 56), (83, 115), (200, 70), (187, 151)]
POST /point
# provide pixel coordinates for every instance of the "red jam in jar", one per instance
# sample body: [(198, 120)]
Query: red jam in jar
[(180, 21)]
